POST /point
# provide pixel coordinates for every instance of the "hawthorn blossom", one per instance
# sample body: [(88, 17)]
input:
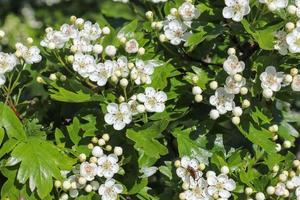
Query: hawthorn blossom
[(270, 79), (188, 11), (199, 192), (81, 45), (280, 43), (275, 4), (175, 31), (7, 62), (236, 9), (101, 74), (88, 170), (84, 64), (132, 46), (142, 72), (293, 40), (296, 83), (120, 68), (69, 31), (118, 115), (107, 166), (90, 31), (30, 55), (188, 171), (220, 186), (232, 86), (222, 100), (232, 65), (54, 40), (110, 190), (153, 101)]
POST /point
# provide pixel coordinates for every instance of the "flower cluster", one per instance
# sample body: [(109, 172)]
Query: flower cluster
[(223, 99), (177, 24), (149, 101), (236, 9), (196, 186), (95, 174), (275, 4)]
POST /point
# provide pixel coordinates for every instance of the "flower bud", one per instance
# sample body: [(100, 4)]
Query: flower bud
[(162, 38), (64, 196), (29, 40), (294, 71), (121, 99), (185, 186), (201, 167), (97, 48), (70, 59), (288, 78), (181, 196), (66, 185), (260, 196), (237, 111), (214, 114), (73, 185), (94, 140), (236, 120), (177, 163), (62, 78), (292, 9), (53, 77), (73, 19), (174, 11), (123, 40), (248, 191), (101, 142), (224, 170), (198, 98), (231, 51), (79, 22), (278, 147), (141, 108), (106, 137), (289, 26), (108, 148), (88, 188), (40, 80), (275, 168), (141, 51), (287, 144), (82, 180), (296, 163), (57, 184), (270, 190), (110, 50), (118, 151), (195, 79), (267, 93), (244, 91), (82, 157), (238, 77), (97, 151), (149, 15), (2, 34), (196, 90), (282, 177), (213, 85), (106, 30), (246, 103)]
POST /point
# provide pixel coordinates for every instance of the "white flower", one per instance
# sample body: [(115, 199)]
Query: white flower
[(88, 170), (175, 31), (148, 171), (270, 79), (118, 115), (280, 189), (102, 73), (220, 185), (293, 40), (280, 43), (81, 45), (54, 39), (188, 171), (7, 62), (90, 31), (132, 46), (30, 55), (296, 83), (199, 192), (110, 50), (232, 86), (236, 9), (110, 190), (232, 65), (120, 68), (69, 31), (275, 4), (2, 79), (142, 72), (222, 100), (84, 64), (188, 11), (154, 101), (107, 166)]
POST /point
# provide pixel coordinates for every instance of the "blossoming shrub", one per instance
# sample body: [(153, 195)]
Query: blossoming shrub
[(150, 99)]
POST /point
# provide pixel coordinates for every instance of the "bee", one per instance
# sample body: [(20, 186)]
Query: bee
[(193, 173)]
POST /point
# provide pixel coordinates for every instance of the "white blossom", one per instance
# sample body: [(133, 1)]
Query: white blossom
[(102, 73), (88, 170), (69, 31), (175, 31), (118, 115), (222, 100), (232, 65), (296, 83), (275, 4), (132, 46), (293, 40), (110, 190), (280, 43), (142, 72), (154, 101), (54, 40), (90, 31), (107, 166), (120, 67), (81, 45), (30, 55), (232, 86), (148, 171), (220, 185), (199, 192), (270, 79), (236, 9), (7, 62), (188, 11), (84, 64)]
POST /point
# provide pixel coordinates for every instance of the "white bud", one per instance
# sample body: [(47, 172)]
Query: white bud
[(123, 40), (270, 190), (287, 144), (73, 19), (260, 196), (70, 58), (198, 98), (124, 82), (114, 79), (294, 71), (245, 103), (248, 190), (272, 7), (97, 151), (282, 177), (273, 128), (236, 120), (2, 34), (196, 90), (110, 50), (130, 65), (275, 137), (195, 79), (108, 147), (73, 185), (118, 151), (141, 51), (48, 29), (177, 163), (292, 9), (238, 77), (51, 45), (278, 147), (40, 80), (231, 51), (224, 170), (106, 30), (63, 78), (93, 159), (290, 185), (29, 40), (101, 142), (174, 11), (214, 114), (57, 184), (181, 196), (94, 140), (64, 196), (244, 91), (106, 137), (237, 111), (149, 15), (289, 26), (73, 193), (201, 166), (288, 78), (90, 146), (162, 38), (79, 22), (275, 168), (97, 48), (296, 163), (286, 193), (88, 188), (267, 93), (95, 185), (121, 99), (53, 77), (158, 25), (213, 85), (82, 181), (210, 173), (118, 73), (66, 185), (141, 108), (185, 186), (82, 157)]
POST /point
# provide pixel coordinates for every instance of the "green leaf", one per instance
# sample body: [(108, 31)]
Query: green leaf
[(161, 75), (40, 162), (117, 10), (9, 121), (2, 133), (144, 139), (73, 130)]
